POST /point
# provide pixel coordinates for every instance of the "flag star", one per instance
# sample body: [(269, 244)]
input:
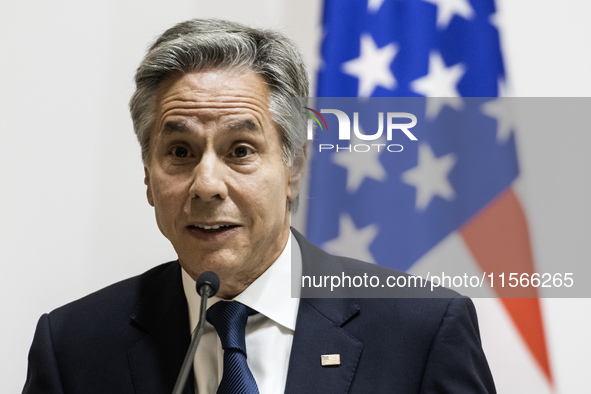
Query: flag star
[(501, 110), (495, 20), (430, 177), (361, 165), (374, 5), (503, 88), (352, 242), (440, 85), (372, 67), (446, 9), (498, 20)]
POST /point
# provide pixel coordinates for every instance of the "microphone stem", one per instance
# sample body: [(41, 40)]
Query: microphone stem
[(190, 356)]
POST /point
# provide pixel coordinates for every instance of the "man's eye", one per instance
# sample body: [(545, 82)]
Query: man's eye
[(242, 151), (179, 151)]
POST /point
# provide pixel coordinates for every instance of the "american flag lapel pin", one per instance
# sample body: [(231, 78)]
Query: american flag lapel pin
[(330, 360)]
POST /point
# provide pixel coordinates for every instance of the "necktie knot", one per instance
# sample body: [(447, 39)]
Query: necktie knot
[(229, 320)]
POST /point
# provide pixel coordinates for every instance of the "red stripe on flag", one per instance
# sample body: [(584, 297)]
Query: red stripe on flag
[(498, 239)]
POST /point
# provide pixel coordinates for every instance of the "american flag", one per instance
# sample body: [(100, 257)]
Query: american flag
[(395, 208)]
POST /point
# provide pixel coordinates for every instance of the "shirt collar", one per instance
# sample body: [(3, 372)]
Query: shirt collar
[(270, 294)]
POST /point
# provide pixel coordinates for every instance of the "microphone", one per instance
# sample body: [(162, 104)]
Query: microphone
[(207, 286)]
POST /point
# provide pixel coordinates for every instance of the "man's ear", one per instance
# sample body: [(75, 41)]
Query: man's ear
[(298, 170), (149, 187)]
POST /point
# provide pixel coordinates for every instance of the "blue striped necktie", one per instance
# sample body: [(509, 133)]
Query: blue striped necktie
[(229, 320)]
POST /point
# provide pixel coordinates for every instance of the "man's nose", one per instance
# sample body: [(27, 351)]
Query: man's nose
[(209, 178)]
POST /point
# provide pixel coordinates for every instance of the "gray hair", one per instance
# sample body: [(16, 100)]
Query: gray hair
[(204, 44)]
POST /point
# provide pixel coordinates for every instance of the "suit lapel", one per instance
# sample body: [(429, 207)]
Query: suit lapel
[(155, 360), (317, 335), (319, 331)]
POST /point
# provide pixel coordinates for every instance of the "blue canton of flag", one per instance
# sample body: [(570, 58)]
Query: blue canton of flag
[(391, 208)]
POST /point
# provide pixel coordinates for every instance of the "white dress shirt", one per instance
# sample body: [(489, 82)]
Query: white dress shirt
[(269, 333)]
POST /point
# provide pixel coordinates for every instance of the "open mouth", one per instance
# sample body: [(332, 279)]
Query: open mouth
[(213, 229)]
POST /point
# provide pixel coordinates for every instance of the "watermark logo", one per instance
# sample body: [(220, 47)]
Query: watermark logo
[(315, 115), (396, 122)]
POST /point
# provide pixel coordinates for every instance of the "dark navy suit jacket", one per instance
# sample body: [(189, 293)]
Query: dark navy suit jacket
[(131, 337)]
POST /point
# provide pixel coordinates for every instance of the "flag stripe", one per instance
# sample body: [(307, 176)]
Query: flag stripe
[(498, 238)]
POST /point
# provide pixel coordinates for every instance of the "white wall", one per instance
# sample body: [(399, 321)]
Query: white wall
[(546, 47), (73, 215)]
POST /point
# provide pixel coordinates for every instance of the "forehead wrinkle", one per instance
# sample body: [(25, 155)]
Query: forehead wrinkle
[(174, 102), (252, 120), (201, 103), (203, 111), (220, 102), (190, 88)]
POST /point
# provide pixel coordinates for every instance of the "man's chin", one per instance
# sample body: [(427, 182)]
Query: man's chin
[(224, 267)]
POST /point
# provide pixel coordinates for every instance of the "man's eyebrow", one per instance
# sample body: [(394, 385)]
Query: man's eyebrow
[(242, 125), (175, 126)]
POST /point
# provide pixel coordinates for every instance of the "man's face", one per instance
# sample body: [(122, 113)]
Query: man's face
[(216, 178)]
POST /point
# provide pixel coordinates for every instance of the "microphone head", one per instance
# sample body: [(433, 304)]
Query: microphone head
[(208, 284)]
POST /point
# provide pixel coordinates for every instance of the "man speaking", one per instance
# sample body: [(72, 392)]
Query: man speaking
[(223, 167)]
